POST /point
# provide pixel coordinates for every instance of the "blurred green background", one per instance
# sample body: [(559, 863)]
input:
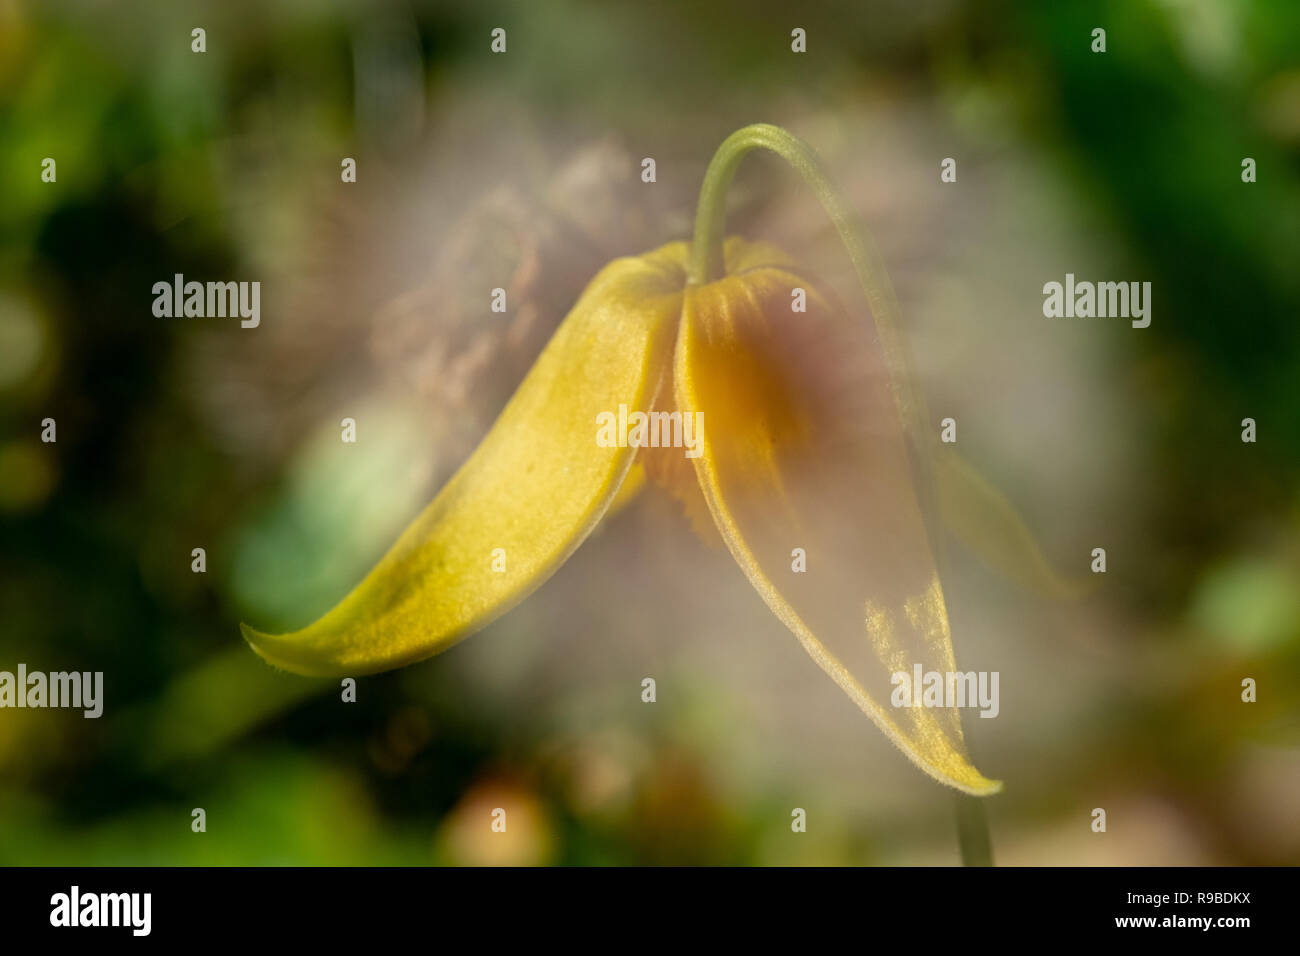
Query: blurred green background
[(522, 170)]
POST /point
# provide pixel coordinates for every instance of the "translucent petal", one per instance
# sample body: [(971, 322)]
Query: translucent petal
[(802, 449)]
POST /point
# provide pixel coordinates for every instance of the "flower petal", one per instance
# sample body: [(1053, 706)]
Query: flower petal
[(802, 449), (534, 488)]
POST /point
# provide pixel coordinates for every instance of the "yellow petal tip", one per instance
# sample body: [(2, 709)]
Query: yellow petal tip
[(981, 787), (263, 646)]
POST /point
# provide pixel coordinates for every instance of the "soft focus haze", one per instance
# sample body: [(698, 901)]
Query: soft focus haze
[(523, 171)]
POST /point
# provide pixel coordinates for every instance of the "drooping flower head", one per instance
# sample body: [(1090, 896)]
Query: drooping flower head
[(811, 441)]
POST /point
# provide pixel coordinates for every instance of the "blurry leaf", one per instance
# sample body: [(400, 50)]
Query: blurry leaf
[(986, 523), (1249, 605), (216, 702), (343, 503)]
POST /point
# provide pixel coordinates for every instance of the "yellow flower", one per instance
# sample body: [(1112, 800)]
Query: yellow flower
[(804, 445)]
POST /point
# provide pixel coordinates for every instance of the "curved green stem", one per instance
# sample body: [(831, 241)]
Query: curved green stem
[(973, 831)]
